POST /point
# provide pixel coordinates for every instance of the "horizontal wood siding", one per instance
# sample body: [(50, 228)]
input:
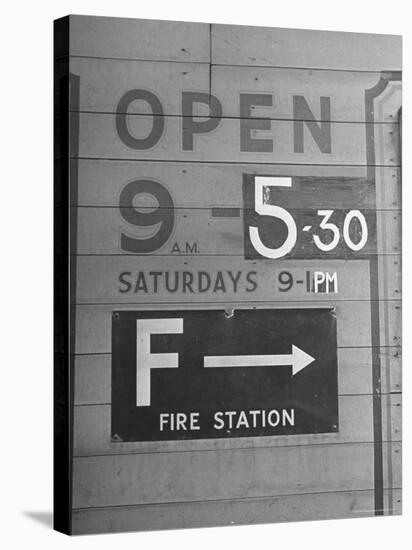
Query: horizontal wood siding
[(93, 374), (105, 81), (98, 140), (221, 474), (99, 232), (94, 321), (92, 431), (138, 39), (118, 280), (241, 45), (195, 185), (314, 506), (193, 483)]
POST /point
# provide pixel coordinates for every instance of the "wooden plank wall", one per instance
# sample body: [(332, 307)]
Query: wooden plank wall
[(128, 486)]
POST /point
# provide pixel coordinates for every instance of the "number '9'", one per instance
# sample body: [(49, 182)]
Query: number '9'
[(163, 215), (286, 280)]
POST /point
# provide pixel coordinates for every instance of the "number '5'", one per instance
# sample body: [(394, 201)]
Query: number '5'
[(276, 212)]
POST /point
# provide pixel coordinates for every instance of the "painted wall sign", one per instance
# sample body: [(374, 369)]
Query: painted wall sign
[(228, 304), (207, 374), (274, 230)]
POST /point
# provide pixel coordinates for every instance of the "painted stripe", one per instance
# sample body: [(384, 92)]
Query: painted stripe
[(370, 96), (247, 360)]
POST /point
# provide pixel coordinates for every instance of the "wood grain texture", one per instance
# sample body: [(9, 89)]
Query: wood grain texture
[(238, 45), (196, 185), (346, 91), (390, 327), (391, 225), (104, 81), (178, 41), (233, 473), (138, 39), (92, 434), (98, 139), (316, 506), (392, 416)]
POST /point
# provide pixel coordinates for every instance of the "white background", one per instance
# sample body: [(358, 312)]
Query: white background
[(26, 272)]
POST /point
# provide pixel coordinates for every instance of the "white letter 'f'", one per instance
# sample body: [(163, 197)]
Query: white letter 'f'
[(145, 360)]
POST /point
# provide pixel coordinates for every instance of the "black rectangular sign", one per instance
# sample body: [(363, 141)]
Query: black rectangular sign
[(212, 374), (287, 217)]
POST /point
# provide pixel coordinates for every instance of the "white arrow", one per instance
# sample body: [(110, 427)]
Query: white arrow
[(298, 359)]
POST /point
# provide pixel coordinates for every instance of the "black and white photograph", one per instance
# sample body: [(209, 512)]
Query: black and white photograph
[(205, 317)]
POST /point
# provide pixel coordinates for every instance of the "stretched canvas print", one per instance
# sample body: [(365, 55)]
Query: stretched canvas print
[(227, 275)]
